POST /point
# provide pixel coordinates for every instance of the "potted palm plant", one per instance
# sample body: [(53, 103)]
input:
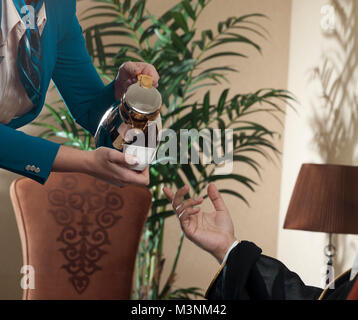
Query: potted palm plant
[(188, 69)]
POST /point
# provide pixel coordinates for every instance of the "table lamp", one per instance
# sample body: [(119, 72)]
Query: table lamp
[(325, 199)]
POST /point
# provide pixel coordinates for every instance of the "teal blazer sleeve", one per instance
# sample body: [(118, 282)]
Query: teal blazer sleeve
[(77, 80), (83, 92), (21, 153)]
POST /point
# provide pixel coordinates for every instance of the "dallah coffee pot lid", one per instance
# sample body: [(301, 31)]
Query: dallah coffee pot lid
[(142, 97)]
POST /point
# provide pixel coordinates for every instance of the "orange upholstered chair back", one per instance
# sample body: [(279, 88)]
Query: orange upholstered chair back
[(80, 235)]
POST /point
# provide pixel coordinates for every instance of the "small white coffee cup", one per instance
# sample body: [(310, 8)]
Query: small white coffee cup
[(144, 155)]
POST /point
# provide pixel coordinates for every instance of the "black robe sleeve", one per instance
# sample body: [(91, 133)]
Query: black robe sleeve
[(249, 275)]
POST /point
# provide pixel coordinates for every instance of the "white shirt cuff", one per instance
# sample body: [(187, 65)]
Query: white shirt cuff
[(228, 251)]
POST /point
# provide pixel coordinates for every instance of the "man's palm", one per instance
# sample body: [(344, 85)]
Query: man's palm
[(212, 231), (208, 229)]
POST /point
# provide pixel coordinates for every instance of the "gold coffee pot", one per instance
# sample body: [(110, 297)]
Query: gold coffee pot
[(140, 107), (139, 111)]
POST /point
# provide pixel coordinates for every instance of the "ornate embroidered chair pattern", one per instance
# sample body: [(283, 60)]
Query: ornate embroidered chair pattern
[(80, 234)]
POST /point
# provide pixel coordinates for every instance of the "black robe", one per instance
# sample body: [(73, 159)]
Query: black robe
[(249, 275)]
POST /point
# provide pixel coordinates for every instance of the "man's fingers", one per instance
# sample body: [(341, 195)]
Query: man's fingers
[(189, 204), (179, 206), (187, 213), (216, 198), (179, 197), (169, 194)]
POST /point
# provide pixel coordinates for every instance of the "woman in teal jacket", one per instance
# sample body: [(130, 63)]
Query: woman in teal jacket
[(67, 63)]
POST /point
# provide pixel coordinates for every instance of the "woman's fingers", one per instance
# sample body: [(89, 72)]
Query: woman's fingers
[(112, 166), (148, 69), (133, 177), (145, 174), (135, 68), (122, 159)]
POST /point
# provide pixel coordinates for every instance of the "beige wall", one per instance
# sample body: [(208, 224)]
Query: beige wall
[(259, 223), (318, 134)]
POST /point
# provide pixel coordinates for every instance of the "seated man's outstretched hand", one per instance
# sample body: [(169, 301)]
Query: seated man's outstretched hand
[(212, 231)]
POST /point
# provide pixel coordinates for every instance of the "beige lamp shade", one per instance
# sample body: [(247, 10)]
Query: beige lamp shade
[(325, 199)]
